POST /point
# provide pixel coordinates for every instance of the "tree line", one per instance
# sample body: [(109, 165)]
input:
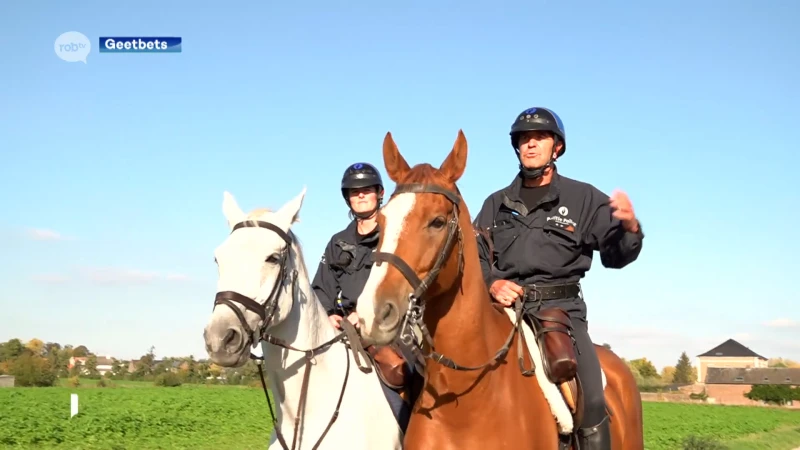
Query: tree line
[(649, 379), (36, 363)]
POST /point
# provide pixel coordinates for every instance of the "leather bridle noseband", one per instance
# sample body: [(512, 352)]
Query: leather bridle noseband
[(416, 302), (348, 337)]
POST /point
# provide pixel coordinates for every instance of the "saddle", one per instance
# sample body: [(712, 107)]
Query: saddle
[(552, 329)]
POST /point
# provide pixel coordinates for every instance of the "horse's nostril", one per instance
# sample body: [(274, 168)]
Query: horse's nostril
[(232, 341), (388, 315), (228, 336)]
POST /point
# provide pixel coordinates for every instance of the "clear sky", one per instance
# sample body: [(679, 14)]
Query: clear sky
[(113, 171)]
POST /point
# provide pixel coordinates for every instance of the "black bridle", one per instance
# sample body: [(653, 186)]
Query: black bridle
[(348, 337), (416, 302)]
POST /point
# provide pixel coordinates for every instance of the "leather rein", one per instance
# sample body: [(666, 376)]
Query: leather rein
[(349, 337), (416, 305)]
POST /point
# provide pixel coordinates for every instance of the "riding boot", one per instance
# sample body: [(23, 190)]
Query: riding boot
[(597, 437)]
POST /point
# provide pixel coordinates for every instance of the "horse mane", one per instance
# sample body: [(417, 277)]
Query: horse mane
[(301, 262)]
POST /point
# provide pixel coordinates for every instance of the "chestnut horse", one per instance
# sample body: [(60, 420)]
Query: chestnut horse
[(477, 399)]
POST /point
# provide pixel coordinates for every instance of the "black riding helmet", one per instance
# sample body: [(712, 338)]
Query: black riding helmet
[(538, 119), (360, 175), (535, 119)]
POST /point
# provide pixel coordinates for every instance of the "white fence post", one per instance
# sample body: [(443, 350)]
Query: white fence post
[(73, 405)]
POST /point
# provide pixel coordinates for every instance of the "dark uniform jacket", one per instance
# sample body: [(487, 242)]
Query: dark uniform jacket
[(552, 243), (344, 269)]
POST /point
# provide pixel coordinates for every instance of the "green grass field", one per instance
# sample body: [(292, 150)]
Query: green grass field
[(139, 416)]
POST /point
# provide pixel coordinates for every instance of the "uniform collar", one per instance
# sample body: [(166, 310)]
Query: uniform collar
[(513, 200), (352, 233)]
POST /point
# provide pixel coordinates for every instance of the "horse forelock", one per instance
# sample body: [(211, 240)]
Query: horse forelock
[(257, 213), (425, 173)]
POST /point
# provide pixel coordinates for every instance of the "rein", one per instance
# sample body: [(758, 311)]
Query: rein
[(416, 307), (349, 337)]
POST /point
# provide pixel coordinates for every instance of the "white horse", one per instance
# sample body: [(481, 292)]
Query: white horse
[(264, 289)]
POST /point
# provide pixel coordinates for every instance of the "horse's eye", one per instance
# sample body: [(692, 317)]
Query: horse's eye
[(274, 258), (437, 223)]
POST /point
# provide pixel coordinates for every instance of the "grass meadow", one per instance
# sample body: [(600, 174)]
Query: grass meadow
[(138, 415)]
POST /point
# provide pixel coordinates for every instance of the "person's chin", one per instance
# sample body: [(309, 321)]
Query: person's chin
[(533, 165)]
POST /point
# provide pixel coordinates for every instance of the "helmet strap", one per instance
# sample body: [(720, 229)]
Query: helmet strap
[(364, 215)]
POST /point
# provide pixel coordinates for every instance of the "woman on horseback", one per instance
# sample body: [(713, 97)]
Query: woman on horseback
[(347, 261)]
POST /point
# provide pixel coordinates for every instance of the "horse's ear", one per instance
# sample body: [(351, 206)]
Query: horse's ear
[(453, 166), (233, 214), (396, 165), (291, 209)]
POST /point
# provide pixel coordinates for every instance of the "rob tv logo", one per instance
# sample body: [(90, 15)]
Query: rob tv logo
[(73, 46)]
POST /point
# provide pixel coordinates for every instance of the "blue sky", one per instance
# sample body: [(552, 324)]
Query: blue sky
[(113, 171)]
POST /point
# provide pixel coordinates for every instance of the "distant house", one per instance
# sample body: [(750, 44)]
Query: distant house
[(728, 354), (7, 381), (729, 370), (104, 363)]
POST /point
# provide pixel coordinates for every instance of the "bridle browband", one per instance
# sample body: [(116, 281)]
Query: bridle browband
[(416, 304), (348, 337)]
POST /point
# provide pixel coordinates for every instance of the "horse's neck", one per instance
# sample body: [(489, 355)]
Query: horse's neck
[(307, 325), (467, 318)]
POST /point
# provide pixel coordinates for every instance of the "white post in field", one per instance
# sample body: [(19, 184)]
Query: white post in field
[(73, 405)]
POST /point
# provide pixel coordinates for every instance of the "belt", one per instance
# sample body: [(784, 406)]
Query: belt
[(553, 292)]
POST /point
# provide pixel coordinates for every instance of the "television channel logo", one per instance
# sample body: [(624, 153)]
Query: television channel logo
[(140, 44), (73, 46)]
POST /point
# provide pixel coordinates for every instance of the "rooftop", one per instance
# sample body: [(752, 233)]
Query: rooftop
[(771, 375), (732, 349)]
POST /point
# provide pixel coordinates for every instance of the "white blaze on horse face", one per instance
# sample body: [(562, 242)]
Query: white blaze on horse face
[(394, 213)]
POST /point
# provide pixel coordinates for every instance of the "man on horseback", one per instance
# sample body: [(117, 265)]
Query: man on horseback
[(347, 261), (542, 230)]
